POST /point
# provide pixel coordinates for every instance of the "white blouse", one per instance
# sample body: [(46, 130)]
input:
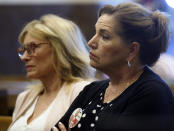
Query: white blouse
[(36, 124), (51, 115)]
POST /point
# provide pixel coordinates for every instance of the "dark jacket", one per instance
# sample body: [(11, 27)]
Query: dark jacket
[(146, 105)]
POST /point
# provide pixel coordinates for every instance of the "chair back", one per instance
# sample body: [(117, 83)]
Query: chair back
[(5, 122)]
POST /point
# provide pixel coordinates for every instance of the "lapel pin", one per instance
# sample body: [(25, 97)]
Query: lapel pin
[(75, 117)]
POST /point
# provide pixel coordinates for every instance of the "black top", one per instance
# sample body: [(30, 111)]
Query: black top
[(146, 105)]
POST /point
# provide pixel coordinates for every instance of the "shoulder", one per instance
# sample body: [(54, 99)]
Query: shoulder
[(98, 84), (81, 83), (77, 87), (152, 89), (19, 101), (31, 89), (92, 88), (152, 82), (88, 84), (24, 97)]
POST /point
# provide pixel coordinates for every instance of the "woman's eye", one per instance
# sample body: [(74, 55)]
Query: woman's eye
[(34, 46), (105, 37)]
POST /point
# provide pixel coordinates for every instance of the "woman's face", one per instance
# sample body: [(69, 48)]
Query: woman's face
[(39, 63), (107, 49)]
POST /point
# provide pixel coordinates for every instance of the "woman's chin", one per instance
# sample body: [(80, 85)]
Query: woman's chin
[(95, 65), (31, 75)]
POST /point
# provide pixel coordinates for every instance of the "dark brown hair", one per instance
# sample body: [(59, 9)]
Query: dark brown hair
[(149, 29)]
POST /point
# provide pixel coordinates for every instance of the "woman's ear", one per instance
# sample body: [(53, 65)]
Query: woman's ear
[(133, 51)]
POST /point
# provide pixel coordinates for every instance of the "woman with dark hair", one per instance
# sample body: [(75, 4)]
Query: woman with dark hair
[(128, 39)]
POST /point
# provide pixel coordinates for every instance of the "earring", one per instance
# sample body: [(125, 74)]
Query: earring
[(129, 64)]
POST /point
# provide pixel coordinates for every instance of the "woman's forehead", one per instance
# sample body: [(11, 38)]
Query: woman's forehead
[(30, 38), (106, 22)]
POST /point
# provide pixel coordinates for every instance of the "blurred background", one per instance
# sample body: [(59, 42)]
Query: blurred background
[(14, 14)]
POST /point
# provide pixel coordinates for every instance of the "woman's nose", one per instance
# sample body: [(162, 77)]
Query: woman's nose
[(93, 42), (25, 57)]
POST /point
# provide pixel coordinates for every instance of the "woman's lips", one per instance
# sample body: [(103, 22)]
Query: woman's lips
[(91, 56), (29, 67)]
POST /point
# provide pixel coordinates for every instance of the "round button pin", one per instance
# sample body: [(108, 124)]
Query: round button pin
[(75, 117)]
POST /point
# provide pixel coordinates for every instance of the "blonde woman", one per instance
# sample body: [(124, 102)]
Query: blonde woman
[(53, 50)]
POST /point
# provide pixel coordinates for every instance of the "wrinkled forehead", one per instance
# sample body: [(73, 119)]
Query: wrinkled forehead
[(106, 22)]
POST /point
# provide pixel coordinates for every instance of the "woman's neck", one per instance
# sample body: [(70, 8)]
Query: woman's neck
[(52, 83), (125, 76), (120, 82)]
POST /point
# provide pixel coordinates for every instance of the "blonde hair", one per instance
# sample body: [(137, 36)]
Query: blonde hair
[(68, 43)]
